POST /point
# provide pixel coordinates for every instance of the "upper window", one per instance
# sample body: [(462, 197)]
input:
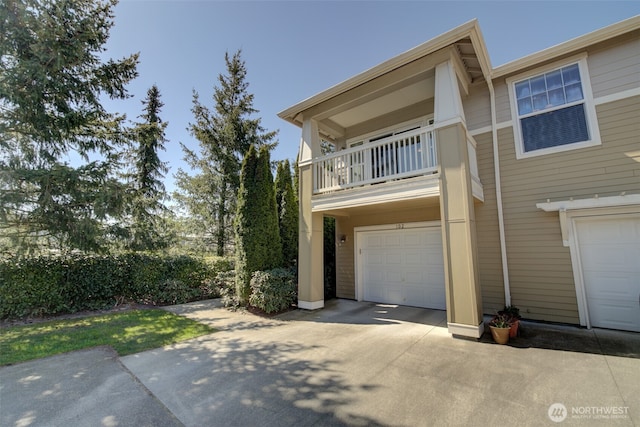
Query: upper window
[(554, 110)]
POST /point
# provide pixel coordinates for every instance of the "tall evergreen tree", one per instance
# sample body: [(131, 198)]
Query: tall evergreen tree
[(147, 230), (224, 136), (258, 244), (287, 213), (51, 79)]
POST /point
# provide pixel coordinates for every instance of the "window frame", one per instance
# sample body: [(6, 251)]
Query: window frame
[(587, 102)]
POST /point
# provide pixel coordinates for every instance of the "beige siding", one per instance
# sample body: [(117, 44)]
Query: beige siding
[(540, 270), (488, 235), (503, 107), (477, 107), (615, 66), (345, 263)]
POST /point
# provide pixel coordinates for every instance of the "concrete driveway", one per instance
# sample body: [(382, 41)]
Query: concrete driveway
[(349, 364)]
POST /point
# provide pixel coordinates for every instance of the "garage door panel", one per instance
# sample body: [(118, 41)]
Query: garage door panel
[(412, 262), (613, 316), (607, 286), (392, 241), (609, 251), (393, 276), (414, 240), (609, 257), (415, 277), (393, 259), (413, 258)]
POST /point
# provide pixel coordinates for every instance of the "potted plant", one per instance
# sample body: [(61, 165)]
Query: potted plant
[(500, 326), (513, 313)]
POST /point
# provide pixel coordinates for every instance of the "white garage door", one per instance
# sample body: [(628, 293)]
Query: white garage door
[(403, 267), (609, 248)]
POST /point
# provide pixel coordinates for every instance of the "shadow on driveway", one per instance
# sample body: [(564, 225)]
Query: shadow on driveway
[(233, 381)]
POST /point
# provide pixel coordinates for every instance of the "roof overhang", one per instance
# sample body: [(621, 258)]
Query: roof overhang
[(466, 39)]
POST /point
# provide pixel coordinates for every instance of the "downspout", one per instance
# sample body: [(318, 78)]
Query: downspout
[(496, 168)]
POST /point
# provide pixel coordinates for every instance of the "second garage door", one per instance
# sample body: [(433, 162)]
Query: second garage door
[(609, 248), (402, 266)]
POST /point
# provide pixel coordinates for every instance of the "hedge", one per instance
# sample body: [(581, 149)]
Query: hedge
[(49, 285)]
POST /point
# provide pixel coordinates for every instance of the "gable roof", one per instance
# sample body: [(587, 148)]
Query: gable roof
[(470, 34), (469, 30)]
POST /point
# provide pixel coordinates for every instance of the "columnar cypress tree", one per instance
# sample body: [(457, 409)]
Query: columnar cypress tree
[(258, 244), (287, 214)]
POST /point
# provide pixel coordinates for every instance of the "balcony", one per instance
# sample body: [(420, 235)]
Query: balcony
[(403, 166)]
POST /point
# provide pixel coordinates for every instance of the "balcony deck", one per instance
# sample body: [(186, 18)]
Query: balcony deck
[(396, 168)]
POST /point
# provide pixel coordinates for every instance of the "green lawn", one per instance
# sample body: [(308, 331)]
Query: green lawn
[(127, 332)]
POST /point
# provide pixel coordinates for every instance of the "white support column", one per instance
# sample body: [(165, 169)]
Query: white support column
[(464, 299), (309, 142), (310, 231), (448, 102)]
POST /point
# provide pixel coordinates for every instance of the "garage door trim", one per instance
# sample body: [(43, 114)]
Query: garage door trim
[(573, 217), (358, 232)]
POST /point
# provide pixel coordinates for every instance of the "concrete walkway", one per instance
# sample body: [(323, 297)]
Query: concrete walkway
[(349, 364)]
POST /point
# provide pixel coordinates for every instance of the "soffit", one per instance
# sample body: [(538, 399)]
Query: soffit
[(399, 99)]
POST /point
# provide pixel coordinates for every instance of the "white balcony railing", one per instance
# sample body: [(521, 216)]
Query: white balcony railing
[(403, 155)]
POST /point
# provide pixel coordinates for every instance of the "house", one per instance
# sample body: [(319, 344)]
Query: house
[(463, 187)]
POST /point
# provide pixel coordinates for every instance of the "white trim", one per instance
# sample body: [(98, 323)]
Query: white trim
[(310, 305), (566, 207), (466, 330), (450, 122), (576, 265), (391, 191), (589, 108), (357, 232), (498, 183), (489, 128), (591, 203), (396, 226), (618, 96)]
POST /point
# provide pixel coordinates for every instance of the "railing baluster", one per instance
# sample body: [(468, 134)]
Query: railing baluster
[(403, 156), (374, 170)]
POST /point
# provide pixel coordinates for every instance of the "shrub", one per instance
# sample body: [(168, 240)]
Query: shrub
[(47, 285), (273, 290)]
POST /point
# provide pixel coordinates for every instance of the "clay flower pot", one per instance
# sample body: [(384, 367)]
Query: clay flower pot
[(500, 335), (513, 331)]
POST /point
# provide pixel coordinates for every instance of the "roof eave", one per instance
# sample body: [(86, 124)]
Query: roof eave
[(572, 45), (468, 29)]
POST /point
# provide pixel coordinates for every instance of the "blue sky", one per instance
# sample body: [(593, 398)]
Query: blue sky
[(295, 49)]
